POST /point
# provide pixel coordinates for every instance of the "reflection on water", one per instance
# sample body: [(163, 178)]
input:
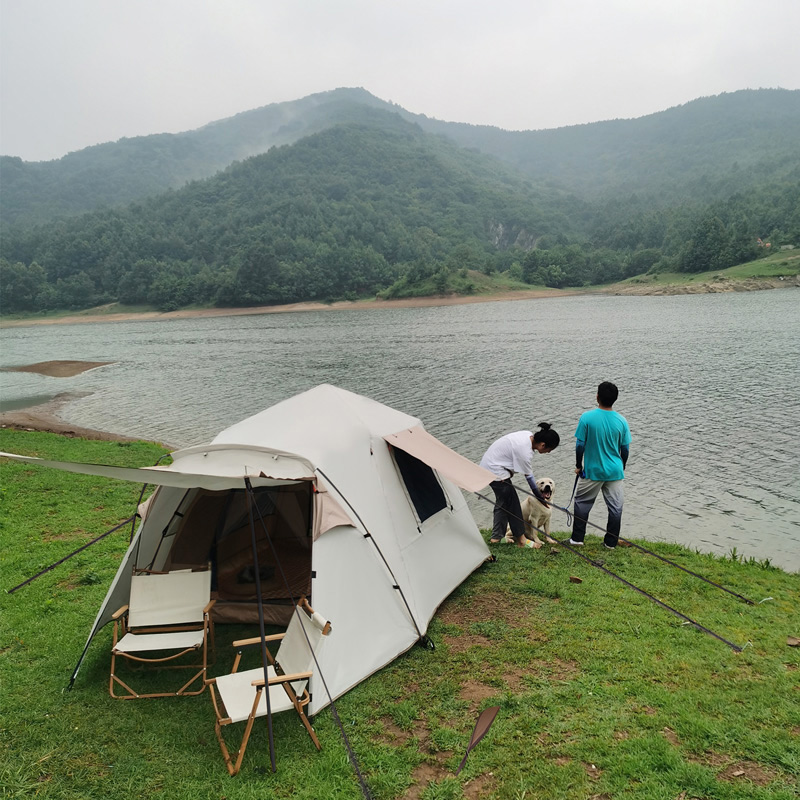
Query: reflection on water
[(709, 384)]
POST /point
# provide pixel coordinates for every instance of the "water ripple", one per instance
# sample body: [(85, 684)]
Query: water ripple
[(709, 384)]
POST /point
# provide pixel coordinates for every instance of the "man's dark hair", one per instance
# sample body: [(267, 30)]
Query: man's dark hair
[(607, 393)]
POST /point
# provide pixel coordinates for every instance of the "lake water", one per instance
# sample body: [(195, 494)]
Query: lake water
[(709, 385)]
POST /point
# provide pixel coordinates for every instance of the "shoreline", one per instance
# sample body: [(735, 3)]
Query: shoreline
[(340, 305), (43, 418), (714, 286)]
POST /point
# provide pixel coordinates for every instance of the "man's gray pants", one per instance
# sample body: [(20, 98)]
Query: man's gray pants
[(585, 495)]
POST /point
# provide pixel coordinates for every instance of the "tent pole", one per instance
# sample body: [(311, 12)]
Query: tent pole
[(264, 660)]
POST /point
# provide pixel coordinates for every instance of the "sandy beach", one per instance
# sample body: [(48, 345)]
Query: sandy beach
[(45, 417), (106, 314)]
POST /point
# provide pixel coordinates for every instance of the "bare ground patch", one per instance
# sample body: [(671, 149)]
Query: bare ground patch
[(748, 771), (479, 608), (710, 759), (479, 786), (460, 644), (671, 737), (592, 771), (425, 774), (475, 693), (393, 734)]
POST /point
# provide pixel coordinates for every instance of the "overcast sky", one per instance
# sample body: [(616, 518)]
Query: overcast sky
[(77, 72)]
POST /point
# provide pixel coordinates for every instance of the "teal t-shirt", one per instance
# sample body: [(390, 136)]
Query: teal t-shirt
[(604, 432)]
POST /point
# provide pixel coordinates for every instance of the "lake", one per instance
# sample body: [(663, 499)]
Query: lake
[(709, 385)]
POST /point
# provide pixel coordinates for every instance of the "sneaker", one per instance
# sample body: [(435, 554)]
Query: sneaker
[(609, 546), (574, 543)]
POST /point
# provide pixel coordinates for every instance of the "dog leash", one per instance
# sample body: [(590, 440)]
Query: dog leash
[(569, 502)]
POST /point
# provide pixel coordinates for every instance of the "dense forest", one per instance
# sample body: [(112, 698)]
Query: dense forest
[(363, 198)]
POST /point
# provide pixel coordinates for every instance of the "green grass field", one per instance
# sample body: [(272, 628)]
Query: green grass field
[(602, 693), (781, 264)]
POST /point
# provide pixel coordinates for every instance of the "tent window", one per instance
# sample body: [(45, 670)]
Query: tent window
[(423, 487)]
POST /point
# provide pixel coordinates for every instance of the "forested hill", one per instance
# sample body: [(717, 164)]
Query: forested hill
[(367, 198), (341, 213), (115, 173), (704, 150)]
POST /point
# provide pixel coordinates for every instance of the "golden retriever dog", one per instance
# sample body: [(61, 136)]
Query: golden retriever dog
[(537, 515)]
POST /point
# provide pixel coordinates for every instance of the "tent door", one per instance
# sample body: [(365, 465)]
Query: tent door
[(216, 528)]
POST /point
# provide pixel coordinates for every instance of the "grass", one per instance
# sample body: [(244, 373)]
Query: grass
[(781, 264), (602, 694)]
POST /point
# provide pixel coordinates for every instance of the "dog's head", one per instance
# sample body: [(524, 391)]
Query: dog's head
[(546, 486)]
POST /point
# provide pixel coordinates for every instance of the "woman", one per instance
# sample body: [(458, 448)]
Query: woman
[(509, 454)]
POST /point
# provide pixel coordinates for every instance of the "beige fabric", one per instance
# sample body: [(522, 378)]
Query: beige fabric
[(461, 471), (238, 694), (294, 657), (327, 512), (143, 642), (144, 507), (171, 599)]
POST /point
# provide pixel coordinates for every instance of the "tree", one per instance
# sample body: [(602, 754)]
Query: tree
[(708, 247), (20, 285)]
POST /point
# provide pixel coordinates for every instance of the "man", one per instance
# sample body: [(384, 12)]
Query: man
[(601, 453), (509, 454)]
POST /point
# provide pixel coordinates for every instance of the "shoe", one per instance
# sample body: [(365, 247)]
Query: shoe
[(609, 546), (574, 543)]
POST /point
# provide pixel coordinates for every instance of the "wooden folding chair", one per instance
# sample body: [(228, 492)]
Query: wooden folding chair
[(168, 617), (241, 694)]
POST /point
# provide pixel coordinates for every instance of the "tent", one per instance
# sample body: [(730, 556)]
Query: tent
[(355, 505)]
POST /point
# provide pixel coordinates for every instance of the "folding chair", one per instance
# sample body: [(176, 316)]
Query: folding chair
[(241, 694), (168, 617)]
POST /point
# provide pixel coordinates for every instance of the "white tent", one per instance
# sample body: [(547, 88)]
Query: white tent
[(354, 505)]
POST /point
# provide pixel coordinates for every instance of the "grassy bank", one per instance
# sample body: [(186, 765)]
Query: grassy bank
[(777, 265), (464, 286), (602, 693)]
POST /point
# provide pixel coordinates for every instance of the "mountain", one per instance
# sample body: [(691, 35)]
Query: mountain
[(701, 151), (343, 212), (355, 196), (116, 173)]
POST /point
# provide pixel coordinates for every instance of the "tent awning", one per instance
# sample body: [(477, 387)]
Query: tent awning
[(219, 473), (428, 449)]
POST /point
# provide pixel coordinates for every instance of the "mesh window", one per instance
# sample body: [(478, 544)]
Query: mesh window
[(424, 489)]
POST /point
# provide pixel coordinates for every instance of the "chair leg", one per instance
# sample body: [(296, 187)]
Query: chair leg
[(299, 706), (225, 754), (200, 675), (310, 730), (248, 729), (234, 767)]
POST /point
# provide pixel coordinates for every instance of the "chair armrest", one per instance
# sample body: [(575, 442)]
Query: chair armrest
[(274, 637), (209, 606), (117, 614), (295, 676)]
